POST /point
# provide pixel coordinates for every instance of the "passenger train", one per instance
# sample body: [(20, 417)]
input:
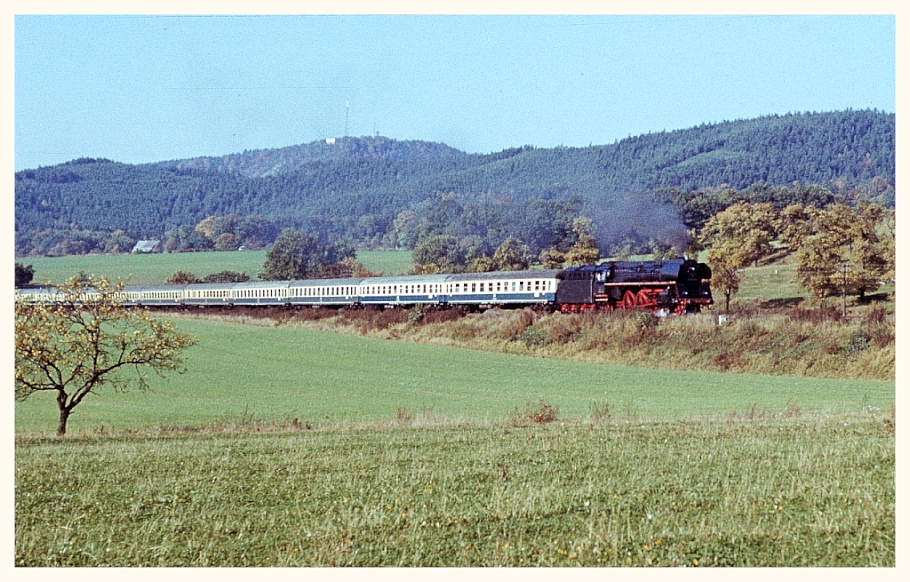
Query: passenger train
[(668, 286)]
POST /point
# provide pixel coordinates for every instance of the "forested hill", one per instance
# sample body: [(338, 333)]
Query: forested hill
[(370, 189), (271, 162)]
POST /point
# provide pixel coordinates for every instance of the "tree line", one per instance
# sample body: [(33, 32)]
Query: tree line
[(840, 249)]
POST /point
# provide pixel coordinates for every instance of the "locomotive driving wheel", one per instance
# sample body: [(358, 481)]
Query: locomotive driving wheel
[(644, 299), (629, 300)]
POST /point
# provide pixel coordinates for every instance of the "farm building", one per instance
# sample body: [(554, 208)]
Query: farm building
[(148, 246)]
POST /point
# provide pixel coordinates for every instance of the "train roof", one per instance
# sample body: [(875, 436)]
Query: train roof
[(259, 285), (140, 288), (32, 290), (349, 281), (631, 265), (215, 286), (406, 279), (507, 275)]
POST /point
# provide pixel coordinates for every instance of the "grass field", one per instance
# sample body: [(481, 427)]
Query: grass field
[(285, 446), (156, 268), (808, 490), (244, 372)]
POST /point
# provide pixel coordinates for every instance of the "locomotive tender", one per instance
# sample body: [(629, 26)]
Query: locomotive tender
[(668, 286)]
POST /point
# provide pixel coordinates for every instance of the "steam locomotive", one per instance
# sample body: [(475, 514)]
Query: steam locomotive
[(668, 286)]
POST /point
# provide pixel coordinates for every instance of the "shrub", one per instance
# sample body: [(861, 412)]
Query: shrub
[(535, 337), (543, 413), (821, 314), (876, 316), (562, 329), (859, 341), (404, 417), (417, 313), (601, 410), (645, 321), (442, 316), (182, 278), (516, 323)]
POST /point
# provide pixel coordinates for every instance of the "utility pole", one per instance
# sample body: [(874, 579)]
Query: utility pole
[(844, 291)]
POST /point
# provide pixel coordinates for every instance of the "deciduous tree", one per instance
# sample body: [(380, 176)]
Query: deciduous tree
[(226, 277), (24, 274), (295, 255), (743, 232), (85, 340), (846, 250), (585, 250), (511, 256), (737, 237), (439, 254), (182, 278)]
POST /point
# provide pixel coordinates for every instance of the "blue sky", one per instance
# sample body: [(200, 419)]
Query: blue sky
[(149, 88)]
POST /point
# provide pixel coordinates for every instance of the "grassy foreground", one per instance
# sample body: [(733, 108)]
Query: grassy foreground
[(777, 490)]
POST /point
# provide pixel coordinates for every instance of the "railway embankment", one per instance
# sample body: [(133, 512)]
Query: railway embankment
[(797, 342)]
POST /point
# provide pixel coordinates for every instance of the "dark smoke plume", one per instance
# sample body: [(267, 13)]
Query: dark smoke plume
[(637, 217)]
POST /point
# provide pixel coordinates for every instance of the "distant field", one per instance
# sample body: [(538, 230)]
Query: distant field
[(775, 281), (157, 267), (245, 372)]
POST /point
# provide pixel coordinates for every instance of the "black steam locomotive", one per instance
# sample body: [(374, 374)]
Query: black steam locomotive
[(675, 285)]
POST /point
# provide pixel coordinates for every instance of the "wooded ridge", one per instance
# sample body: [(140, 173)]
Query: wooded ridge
[(376, 191)]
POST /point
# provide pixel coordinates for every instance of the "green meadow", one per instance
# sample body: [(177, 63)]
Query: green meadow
[(241, 373), (805, 490)]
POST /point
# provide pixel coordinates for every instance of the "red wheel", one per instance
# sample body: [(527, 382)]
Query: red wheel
[(642, 299), (628, 300)]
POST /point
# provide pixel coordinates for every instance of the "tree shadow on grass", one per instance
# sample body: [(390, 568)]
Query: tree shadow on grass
[(781, 303), (874, 298)]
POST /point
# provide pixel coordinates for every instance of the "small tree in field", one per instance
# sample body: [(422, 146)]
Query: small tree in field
[(737, 237), (85, 340)]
